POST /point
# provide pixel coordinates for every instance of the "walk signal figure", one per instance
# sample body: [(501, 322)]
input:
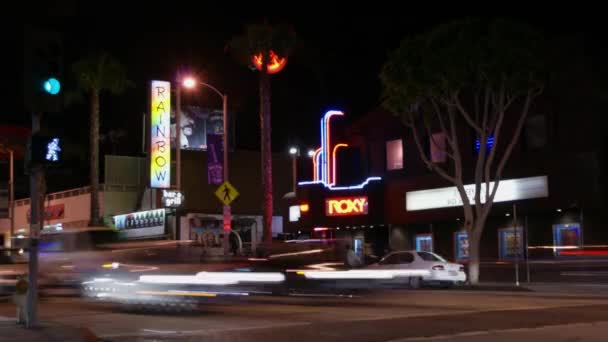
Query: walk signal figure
[(226, 193), (52, 150), (21, 288)]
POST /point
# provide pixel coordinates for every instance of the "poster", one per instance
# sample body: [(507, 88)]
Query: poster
[(424, 243), (215, 159), (566, 235), (206, 231), (462, 245), (510, 242)]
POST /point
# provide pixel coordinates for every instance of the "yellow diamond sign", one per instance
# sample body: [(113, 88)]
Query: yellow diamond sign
[(226, 193)]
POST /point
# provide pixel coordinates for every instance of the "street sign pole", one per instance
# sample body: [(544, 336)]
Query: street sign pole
[(36, 219), (226, 193), (517, 246), (227, 213)]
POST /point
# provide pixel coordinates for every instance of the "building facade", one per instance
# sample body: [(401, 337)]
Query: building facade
[(550, 201)]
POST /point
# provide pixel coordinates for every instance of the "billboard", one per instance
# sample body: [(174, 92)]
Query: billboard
[(160, 140), (196, 125)]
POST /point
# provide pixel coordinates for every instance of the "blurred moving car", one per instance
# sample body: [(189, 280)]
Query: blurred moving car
[(441, 271)]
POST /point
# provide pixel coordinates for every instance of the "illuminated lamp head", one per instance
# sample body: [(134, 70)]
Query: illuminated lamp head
[(274, 65)]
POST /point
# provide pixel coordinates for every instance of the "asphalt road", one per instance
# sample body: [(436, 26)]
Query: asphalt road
[(397, 315)]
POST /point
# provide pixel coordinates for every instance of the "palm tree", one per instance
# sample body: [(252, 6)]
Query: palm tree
[(261, 45), (96, 74)]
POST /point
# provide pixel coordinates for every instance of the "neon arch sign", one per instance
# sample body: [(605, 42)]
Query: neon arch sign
[(324, 163)]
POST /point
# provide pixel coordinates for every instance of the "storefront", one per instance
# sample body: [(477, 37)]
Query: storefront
[(146, 224)]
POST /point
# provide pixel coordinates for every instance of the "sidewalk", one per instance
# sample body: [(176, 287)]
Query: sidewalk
[(48, 331)]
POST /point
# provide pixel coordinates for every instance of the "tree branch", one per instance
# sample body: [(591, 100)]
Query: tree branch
[(465, 114), (441, 121), (524, 113), (432, 166)]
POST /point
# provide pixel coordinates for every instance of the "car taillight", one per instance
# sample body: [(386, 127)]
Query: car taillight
[(461, 268), (438, 268)]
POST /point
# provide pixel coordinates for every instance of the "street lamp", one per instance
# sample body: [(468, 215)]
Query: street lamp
[(311, 153), (190, 82)]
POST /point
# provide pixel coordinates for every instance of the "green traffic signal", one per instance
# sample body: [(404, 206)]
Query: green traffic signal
[(52, 86)]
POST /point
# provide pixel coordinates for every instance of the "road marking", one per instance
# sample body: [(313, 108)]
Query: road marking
[(584, 273), (493, 331), (167, 333)]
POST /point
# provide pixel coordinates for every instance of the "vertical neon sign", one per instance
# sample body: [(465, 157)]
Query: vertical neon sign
[(160, 144)]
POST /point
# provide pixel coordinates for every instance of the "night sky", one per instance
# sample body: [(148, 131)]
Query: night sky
[(350, 49)]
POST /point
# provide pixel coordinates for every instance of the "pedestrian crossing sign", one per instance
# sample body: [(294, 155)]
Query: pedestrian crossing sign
[(226, 193)]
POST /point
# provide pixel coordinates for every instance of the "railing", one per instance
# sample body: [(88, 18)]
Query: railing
[(81, 191)]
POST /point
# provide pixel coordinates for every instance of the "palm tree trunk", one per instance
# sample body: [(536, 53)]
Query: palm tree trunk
[(266, 154), (94, 158)]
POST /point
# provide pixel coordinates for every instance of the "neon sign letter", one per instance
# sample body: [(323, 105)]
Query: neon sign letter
[(346, 206), (160, 151)]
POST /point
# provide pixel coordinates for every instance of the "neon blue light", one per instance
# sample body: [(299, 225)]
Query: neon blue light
[(323, 157), (489, 143), (352, 187)]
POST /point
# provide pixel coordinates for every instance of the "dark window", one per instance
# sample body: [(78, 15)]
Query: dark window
[(392, 259), (426, 256), (406, 258), (535, 132)]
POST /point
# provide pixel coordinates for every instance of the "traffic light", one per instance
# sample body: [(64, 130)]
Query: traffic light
[(45, 150), (43, 70), (52, 86)]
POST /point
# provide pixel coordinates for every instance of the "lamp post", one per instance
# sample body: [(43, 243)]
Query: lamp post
[(294, 167), (295, 153), (190, 82)]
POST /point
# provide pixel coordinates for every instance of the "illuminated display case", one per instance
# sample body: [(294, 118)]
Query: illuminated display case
[(510, 242), (566, 236), (424, 242)]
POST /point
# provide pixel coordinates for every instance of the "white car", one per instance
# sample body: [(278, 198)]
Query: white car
[(440, 270)]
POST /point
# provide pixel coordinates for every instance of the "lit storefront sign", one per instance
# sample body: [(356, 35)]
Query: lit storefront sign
[(140, 224), (160, 140), (294, 213), (508, 190), (172, 198), (346, 206)]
